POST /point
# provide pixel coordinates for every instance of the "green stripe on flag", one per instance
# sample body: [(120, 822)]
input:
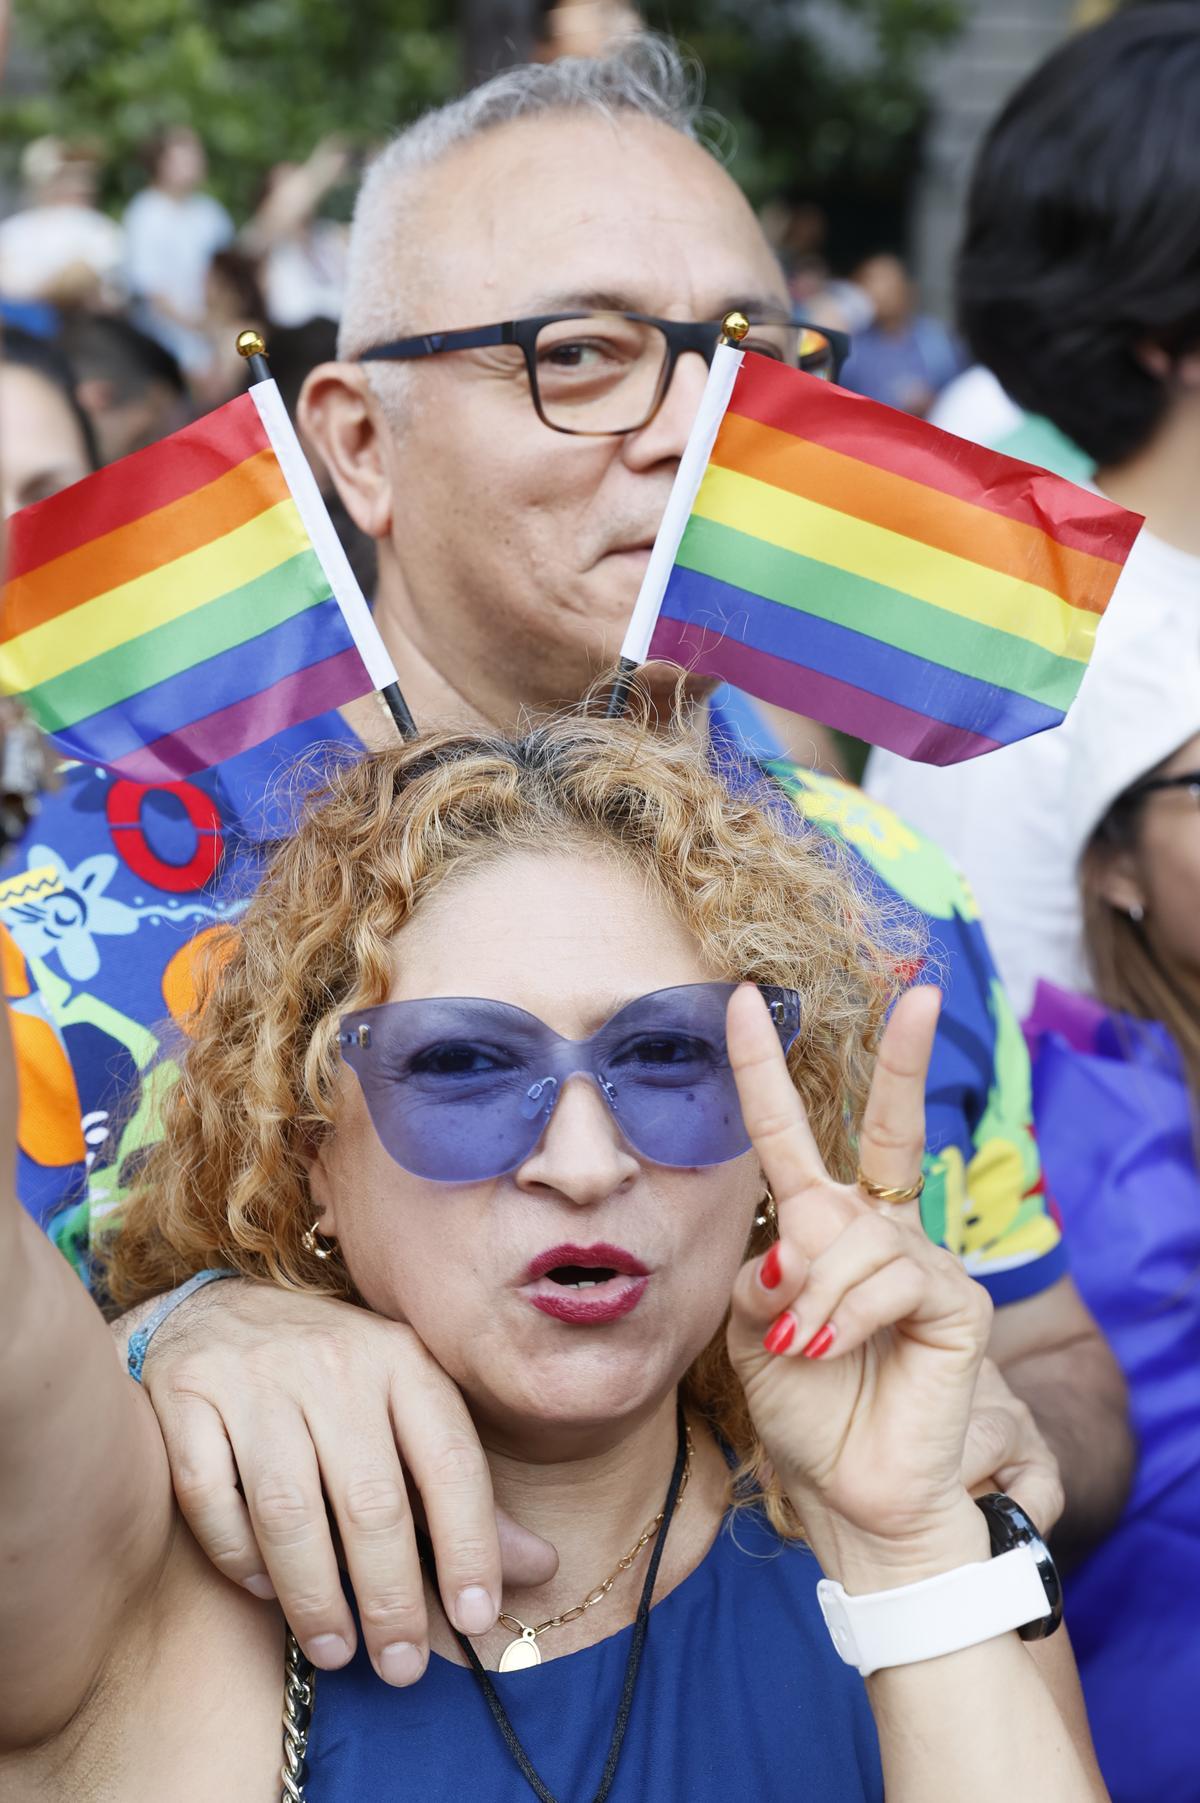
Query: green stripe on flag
[(882, 613), (219, 625)]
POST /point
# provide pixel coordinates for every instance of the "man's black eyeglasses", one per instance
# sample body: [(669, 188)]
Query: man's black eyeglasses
[(600, 374)]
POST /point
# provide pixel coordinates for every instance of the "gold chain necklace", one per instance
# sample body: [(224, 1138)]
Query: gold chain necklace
[(524, 1650)]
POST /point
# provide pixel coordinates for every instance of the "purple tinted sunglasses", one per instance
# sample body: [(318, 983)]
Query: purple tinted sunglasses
[(460, 1090)]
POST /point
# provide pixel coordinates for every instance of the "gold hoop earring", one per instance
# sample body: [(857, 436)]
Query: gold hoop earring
[(768, 1214), (309, 1242)]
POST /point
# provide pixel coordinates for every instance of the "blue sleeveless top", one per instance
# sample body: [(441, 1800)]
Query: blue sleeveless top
[(740, 1695)]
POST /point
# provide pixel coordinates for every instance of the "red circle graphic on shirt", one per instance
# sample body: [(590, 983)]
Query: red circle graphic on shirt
[(124, 811)]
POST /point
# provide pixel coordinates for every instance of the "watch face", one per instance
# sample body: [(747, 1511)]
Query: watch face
[(1008, 1527)]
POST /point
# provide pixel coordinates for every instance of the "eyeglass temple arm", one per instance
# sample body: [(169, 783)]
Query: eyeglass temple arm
[(430, 343)]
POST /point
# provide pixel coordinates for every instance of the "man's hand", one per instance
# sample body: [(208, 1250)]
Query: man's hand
[(272, 1405), (1005, 1451)]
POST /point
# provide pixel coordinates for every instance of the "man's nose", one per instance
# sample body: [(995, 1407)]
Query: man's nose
[(663, 438), (581, 1156)]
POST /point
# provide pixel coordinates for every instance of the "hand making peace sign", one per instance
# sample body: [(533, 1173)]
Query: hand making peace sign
[(878, 1335)]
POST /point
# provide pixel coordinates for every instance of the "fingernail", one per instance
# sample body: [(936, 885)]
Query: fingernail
[(769, 1272), (474, 1610), (327, 1650), (260, 1585), (401, 1663), (820, 1343), (781, 1334)]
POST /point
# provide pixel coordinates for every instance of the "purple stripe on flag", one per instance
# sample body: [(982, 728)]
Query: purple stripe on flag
[(209, 687), (820, 647), (302, 695), (826, 698)]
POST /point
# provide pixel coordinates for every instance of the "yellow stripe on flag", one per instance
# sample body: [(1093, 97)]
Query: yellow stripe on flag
[(940, 578), (122, 614)]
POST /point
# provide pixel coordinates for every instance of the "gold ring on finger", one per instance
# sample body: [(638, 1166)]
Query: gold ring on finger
[(880, 1192)]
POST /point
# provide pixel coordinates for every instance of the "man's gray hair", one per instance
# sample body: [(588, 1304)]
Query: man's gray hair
[(645, 74)]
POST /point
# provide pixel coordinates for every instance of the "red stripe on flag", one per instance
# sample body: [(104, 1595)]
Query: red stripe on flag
[(808, 408), (137, 485)]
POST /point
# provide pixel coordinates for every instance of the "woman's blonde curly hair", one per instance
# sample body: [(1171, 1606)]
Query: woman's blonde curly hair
[(767, 900)]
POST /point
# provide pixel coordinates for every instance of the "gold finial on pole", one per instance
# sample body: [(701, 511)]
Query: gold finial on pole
[(252, 346), (734, 327)]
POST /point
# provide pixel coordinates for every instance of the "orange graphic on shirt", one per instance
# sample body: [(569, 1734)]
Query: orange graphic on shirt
[(48, 1124), (190, 973)]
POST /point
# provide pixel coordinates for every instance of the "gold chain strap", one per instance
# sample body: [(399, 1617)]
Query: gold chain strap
[(601, 1591), (299, 1690)]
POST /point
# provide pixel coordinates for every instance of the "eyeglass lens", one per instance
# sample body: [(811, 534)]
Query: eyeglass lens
[(604, 372), (460, 1089)]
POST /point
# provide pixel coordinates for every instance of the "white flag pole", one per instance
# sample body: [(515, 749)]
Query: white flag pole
[(727, 360), (313, 512)]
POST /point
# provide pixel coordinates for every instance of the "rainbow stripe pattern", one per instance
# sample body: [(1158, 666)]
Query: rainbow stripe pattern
[(862, 567), (186, 603)]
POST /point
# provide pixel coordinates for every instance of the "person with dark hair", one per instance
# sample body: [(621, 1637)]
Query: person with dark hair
[(904, 357), (131, 387), (172, 231), (1117, 1100), (1080, 289), (47, 437)]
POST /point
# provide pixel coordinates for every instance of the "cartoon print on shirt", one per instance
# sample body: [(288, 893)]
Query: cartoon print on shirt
[(63, 920), (64, 923)]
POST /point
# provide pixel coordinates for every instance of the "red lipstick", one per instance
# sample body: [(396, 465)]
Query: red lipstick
[(585, 1286)]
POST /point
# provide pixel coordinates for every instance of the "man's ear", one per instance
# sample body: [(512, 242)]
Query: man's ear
[(341, 416)]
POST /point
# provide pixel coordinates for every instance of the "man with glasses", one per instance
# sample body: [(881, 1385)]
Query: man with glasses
[(536, 276)]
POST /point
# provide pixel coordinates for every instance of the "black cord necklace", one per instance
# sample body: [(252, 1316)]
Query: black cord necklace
[(636, 1645)]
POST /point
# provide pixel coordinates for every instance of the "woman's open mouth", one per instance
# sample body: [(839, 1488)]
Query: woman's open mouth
[(586, 1285)]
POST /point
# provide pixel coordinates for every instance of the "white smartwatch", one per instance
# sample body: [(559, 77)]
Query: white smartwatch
[(1018, 1588)]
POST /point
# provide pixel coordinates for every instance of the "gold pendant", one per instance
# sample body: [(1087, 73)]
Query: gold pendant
[(522, 1652)]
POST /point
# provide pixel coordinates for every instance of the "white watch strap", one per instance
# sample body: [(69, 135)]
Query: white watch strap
[(939, 1615)]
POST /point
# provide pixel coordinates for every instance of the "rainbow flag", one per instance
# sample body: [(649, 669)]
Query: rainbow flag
[(864, 568), (186, 603)]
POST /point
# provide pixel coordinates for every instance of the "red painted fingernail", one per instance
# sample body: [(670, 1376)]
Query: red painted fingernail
[(780, 1335), (820, 1343), (769, 1272)]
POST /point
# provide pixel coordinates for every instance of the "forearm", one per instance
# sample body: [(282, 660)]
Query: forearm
[(996, 1721), (1078, 1398), (983, 1724)]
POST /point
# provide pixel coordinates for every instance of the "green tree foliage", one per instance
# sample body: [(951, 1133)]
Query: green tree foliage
[(262, 80), (265, 79), (816, 107)]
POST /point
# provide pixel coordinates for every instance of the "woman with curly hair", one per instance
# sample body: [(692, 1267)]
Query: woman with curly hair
[(558, 1053)]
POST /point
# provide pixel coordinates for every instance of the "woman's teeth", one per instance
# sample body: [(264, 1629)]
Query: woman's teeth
[(580, 1277)]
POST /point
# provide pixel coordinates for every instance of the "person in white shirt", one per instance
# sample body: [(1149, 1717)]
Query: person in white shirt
[(172, 232), (60, 248), (1079, 288)]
